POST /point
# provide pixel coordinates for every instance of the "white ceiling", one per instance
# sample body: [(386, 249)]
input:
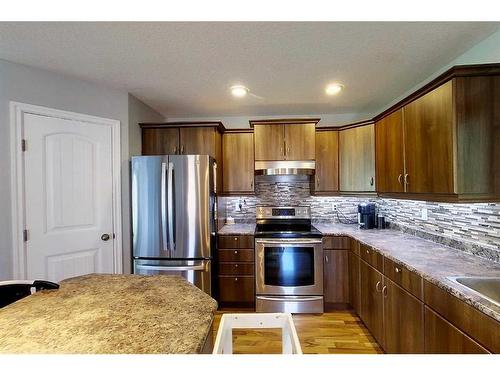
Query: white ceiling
[(186, 69)]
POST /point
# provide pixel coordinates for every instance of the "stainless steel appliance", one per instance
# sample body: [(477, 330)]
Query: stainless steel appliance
[(288, 261), (174, 213), (366, 216)]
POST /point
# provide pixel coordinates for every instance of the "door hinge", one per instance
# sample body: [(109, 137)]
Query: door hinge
[(23, 144), (25, 235)]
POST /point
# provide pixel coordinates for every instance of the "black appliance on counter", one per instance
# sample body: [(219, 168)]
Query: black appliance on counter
[(366, 216)]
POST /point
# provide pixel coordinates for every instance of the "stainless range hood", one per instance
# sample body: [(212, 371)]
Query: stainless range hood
[(285, 167)]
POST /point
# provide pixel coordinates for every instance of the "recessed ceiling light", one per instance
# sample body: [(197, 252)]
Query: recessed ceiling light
[(239, 91), (334, 88)]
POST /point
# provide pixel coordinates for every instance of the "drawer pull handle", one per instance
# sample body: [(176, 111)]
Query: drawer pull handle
[(377, 286), (236, 266), (398, 270), (236, 238), (384, 290), (367, 251), (235, 279), (236, 251)]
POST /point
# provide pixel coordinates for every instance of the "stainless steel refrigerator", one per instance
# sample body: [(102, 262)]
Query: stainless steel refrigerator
[(174, 215)]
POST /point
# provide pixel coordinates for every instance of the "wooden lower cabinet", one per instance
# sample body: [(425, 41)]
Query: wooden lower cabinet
[(372, 302), (233, 289), (354, 280), (403, 320), (441, 337), (336, 276)]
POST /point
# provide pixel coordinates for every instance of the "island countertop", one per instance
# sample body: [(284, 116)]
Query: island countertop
[(110, 314)]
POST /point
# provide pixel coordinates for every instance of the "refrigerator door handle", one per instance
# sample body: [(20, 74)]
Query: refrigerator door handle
[(171, 218), (164, 230), (201, 267)]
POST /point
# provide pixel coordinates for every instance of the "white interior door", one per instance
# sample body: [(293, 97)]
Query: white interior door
[(68, 197)]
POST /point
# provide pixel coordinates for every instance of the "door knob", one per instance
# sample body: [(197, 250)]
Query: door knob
[(105, 237)]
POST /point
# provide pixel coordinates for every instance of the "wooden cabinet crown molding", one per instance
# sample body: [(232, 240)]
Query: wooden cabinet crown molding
[(284, 121), (184, 124)]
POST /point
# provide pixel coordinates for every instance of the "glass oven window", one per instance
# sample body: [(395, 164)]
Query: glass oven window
[(289, 266)]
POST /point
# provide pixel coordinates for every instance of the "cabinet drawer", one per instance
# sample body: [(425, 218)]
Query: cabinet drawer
[(236, 269), (236, 255), (372, 257), (235, 242), (237, 288), (404, 277), (336, 243)]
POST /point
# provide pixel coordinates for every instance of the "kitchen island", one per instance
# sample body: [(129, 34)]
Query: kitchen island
[(110, 314)]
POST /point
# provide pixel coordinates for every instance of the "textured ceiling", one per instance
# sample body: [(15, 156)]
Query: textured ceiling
[(186, 69)]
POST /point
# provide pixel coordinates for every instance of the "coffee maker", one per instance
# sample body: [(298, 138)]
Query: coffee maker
[(366, 215)]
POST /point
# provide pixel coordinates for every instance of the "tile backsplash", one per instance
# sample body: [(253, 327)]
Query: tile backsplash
[(474, 227)]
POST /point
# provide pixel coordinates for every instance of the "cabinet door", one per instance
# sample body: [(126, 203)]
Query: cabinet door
[(198, 140), (160, 141), (441, 337), (357, 159), (371, 308), (403, 321), (336, 276), (327, 161), (390, 153), (238, 162), (354, 280), (299, 141), (269, 142), (428, 134)]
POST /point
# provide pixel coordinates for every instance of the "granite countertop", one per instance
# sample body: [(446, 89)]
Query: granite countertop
[(241, 229), (110, 314), (434, 262)]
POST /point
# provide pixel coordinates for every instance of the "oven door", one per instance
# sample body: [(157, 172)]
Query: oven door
[(289, 266)]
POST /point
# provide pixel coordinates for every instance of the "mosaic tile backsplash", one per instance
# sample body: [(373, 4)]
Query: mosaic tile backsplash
[(474, 228)]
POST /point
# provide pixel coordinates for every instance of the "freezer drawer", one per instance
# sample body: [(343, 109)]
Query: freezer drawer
[(197, 272), (289, 304)]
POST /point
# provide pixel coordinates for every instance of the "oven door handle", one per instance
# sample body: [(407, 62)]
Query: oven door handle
[(285, 241), (288, 299)]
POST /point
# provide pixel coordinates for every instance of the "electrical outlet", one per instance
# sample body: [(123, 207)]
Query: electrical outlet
[(424, 213), (238, 207), (334, 207)]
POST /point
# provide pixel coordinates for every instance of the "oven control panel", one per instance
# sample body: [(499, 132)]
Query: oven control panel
[(300, 212)]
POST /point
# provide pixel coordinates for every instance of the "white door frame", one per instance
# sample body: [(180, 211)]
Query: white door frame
[(18, 211)]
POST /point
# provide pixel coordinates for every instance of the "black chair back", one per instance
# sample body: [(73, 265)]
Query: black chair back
[(12, 291)]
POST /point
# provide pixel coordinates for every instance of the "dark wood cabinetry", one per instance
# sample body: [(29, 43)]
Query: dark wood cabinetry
[(160, 141), (445, 145), (238, 162), (357, 159), (389, 146), (236, 270), (327, 162), (354, 281), (284, 139), (372, 303), (441, 337), (336, 277), (403, 320), (429, 142)]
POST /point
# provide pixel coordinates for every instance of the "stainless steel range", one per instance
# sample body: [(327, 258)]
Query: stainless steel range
[(288, 261)]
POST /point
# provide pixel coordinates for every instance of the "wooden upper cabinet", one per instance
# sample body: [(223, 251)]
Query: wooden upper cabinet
[(269, 142), (238, 162), (389, 146), (299, 141), (327, 161), (357, 159), (284, 139), (160, 141), (201, 141), (429, 142)]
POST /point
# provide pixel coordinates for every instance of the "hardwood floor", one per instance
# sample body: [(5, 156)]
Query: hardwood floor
[(330, 333)]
